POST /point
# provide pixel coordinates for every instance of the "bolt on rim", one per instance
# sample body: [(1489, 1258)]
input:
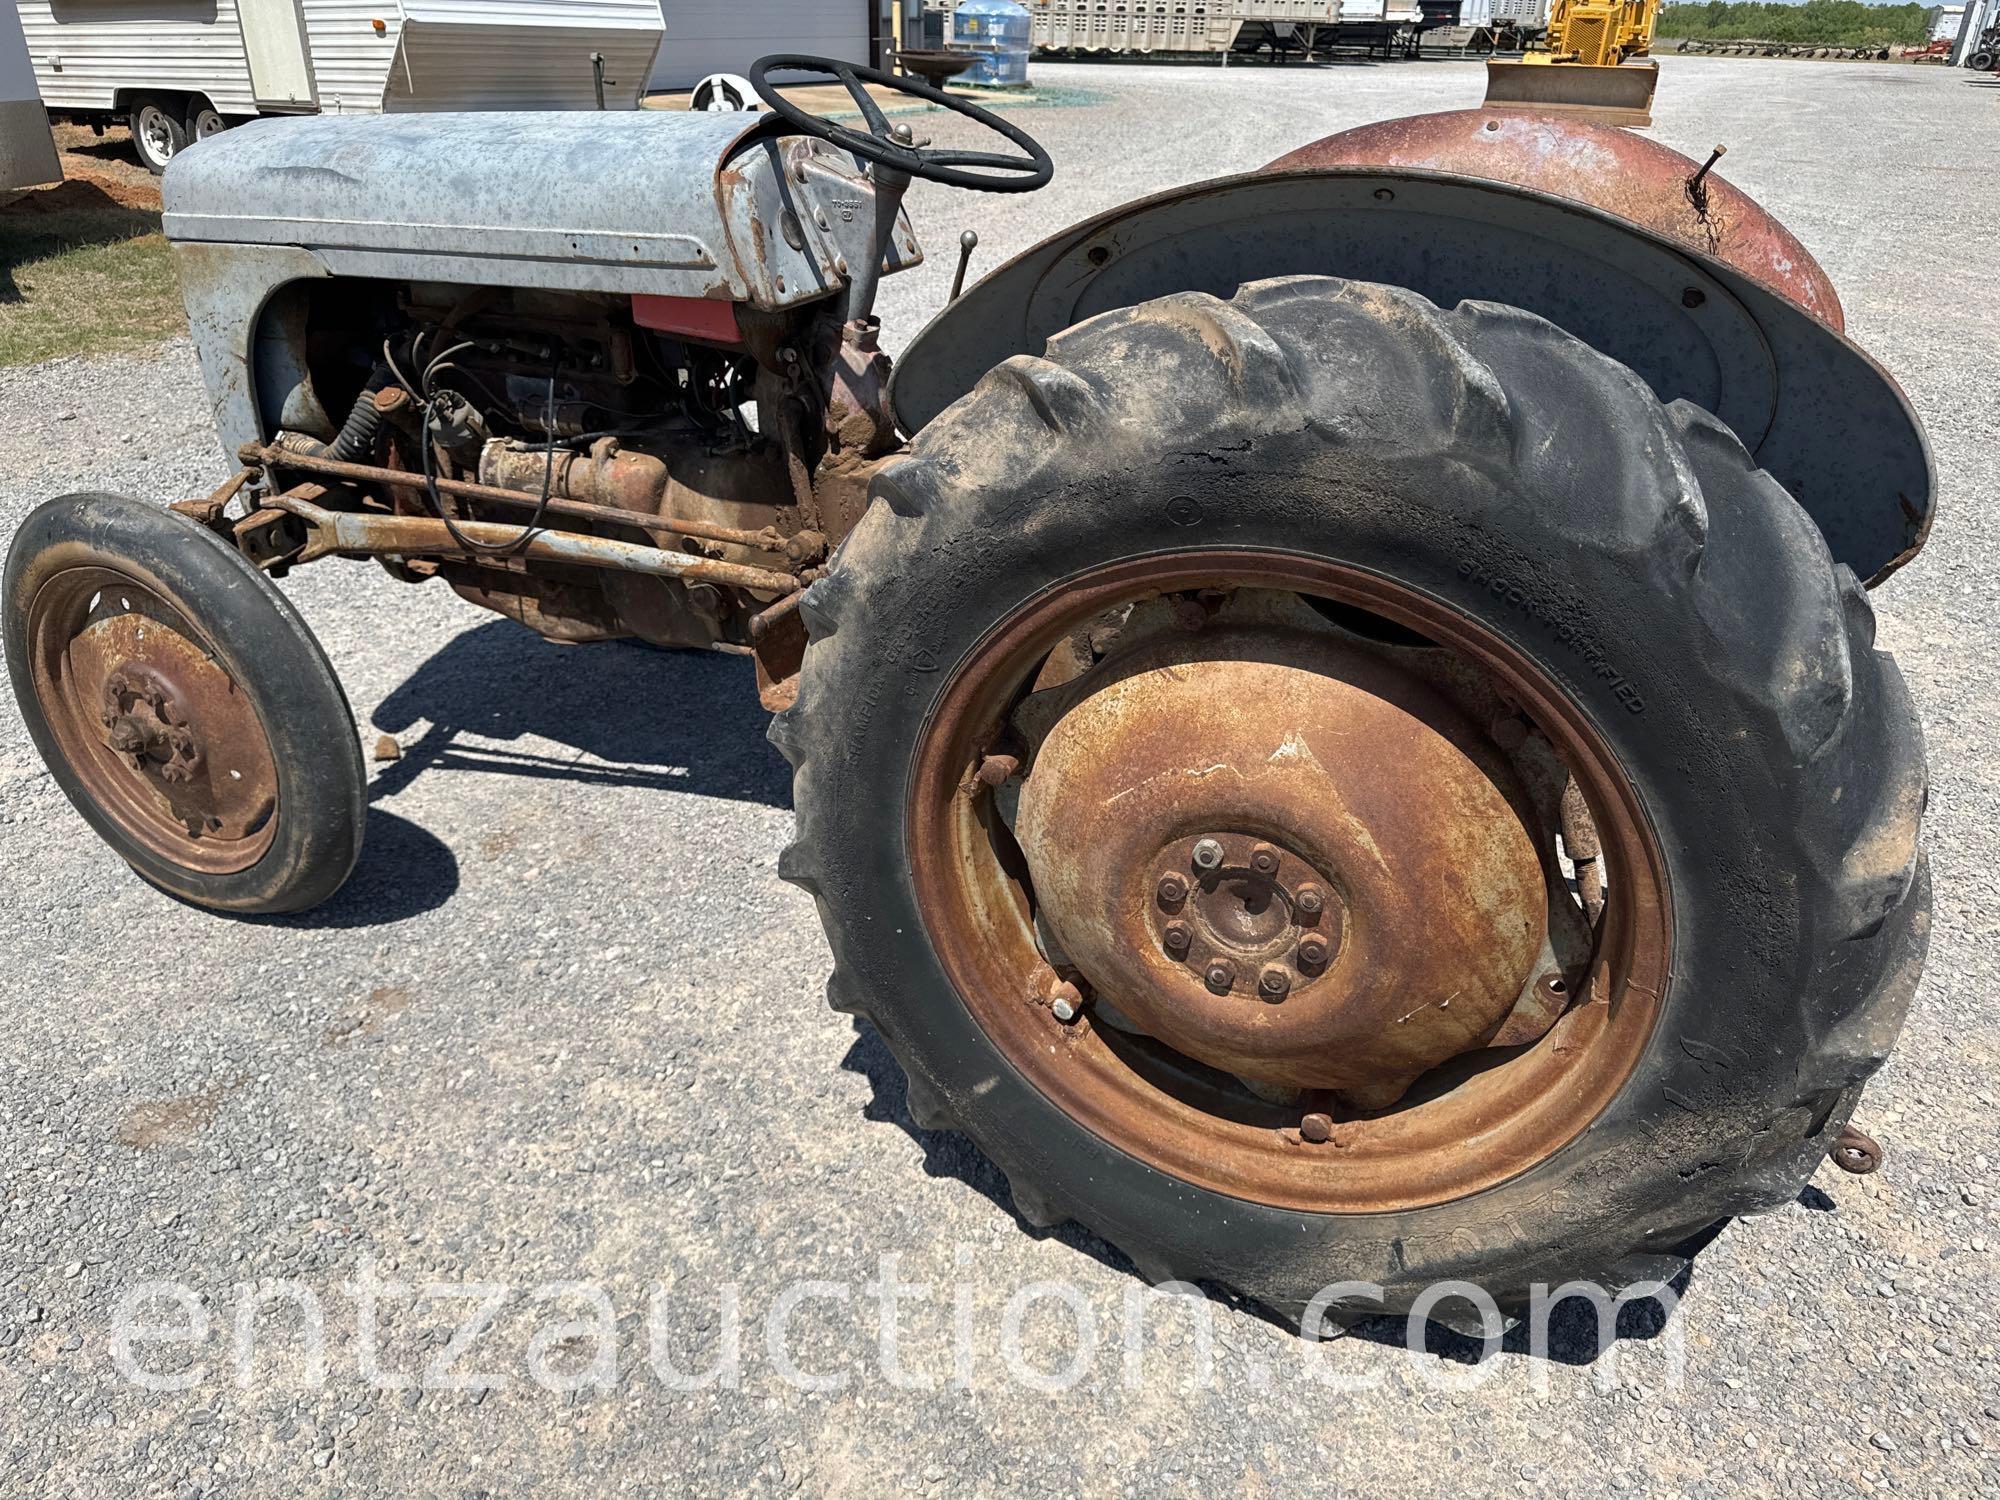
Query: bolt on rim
[(1297, 931)]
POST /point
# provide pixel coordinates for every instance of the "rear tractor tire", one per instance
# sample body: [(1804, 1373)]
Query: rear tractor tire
[(182, 705), (1324, 788)]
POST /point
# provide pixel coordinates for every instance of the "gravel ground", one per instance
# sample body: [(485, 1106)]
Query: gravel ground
[(565, 1024)]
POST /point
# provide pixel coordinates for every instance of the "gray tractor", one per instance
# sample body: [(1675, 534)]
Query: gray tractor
[(1337, 727)]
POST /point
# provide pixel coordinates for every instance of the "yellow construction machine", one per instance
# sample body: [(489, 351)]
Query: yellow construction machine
[(1586, 70)]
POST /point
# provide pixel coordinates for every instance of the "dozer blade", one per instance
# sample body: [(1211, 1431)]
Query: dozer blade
[(1611, 96)]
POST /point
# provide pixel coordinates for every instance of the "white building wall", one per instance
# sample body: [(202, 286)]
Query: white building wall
[(726, 36)]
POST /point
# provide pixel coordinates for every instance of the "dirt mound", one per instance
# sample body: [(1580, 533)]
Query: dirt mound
[(87, 186)]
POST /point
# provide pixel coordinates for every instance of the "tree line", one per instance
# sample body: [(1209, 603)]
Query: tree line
[(1821, 23)]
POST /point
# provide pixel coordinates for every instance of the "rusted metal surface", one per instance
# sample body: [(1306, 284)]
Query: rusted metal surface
[(628, 478), (663, 490), (208, 511), (1856, 1153), (355, 534), (1478, 1120), (858, 419), (780, 649), (161, 736), (1259, 761), (1585, 851), (1610, 169)]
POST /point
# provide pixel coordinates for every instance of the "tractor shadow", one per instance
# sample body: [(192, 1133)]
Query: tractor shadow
[(624, 715), (404, 872), (1573, 1336)]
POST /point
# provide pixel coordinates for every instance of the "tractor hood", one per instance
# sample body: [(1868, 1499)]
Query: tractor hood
[(1585, 225), (671, 204)]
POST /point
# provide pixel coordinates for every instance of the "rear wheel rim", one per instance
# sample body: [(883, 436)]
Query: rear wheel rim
[(1472, 1123), (160, 734)]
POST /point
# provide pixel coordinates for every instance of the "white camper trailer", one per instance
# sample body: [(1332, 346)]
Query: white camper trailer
[(179, 70), (27, 152)]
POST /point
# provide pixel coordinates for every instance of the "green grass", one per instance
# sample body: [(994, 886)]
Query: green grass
[(89, 278)]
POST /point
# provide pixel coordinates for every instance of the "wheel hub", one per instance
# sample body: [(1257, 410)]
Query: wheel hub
[(1283, 857), (141, 724), (1250, 916), (178, 752)]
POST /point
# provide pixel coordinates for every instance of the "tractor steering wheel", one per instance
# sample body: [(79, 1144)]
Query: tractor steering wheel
[(889, 145)]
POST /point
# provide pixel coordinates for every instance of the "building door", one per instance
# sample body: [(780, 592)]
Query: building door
[(274, 40)]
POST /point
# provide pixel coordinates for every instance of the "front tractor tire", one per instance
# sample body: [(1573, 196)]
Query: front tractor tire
[(1325, 788), (182, 705)]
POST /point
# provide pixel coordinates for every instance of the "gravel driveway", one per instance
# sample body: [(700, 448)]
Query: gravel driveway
[(565, 1025)]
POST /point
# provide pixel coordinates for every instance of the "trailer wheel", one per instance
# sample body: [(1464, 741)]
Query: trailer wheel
[(204, 121), (159, 132), (1264, 746), (182, 705)]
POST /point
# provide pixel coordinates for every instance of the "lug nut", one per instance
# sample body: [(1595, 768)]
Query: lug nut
[(1065, 1001), (1207, 854), (1178, 936), (1310, 900), (1313, 950), (1316, 1128), (1221, 975), (1264, 860), (1172, 889), (1275, 980), (996, 770)]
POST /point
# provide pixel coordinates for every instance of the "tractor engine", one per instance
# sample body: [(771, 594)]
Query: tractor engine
[(563, 410)]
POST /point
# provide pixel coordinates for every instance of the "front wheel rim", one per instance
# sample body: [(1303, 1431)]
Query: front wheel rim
[(160, 734), (1468, 1126)]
